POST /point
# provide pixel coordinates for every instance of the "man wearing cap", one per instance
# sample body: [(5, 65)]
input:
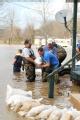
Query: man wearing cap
[(57, 50)]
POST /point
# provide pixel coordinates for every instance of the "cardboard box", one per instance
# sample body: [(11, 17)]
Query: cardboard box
[(75, 100)]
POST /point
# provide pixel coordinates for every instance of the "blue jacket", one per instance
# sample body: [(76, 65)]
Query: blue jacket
[(50, 58)]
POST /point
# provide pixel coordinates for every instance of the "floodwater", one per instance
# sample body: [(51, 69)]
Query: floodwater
[(38, 88)]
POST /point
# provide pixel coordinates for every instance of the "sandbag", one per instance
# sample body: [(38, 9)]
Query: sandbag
[(38, 60), (12, 91), (28, 105), (15, 96), (55, 115), (45, 113), (16, 107), (22, 113), (66, 116), (78, 118), (16, 99), (36, 110)]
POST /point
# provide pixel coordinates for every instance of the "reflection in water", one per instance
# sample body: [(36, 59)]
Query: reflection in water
[(18, 76), (38, 88)]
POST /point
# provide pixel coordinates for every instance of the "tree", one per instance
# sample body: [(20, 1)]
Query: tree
[(47, 29), (7, 20), (44, 11), (11, 24), (29, 32), (17, 34)]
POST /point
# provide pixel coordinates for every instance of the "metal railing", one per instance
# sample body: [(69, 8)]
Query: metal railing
[(51, 78), (58, 69)]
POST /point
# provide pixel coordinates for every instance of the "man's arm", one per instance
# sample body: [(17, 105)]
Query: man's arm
[(45, 65), (30, 59)]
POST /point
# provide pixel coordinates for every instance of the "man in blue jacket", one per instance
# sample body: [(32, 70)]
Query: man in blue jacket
[(50, 62)]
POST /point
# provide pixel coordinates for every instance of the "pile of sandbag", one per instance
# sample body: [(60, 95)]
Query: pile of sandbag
[(21, 102)]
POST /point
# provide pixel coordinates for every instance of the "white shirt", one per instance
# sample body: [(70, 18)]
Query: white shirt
[(25, 52)]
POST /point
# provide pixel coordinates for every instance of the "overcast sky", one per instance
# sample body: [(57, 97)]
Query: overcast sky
[(28, 12)]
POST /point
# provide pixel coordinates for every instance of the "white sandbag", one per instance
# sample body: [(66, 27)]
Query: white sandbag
[(34, 104), (66, 116), (12, 91), (15, 96), (55, 115), (16, 108), (45, 113), (36, 110), (22, 113), (38, 100), (74, 112), (78, 118), (38, 60), (38, 72), (28, 105), (16, 99), (30, 118)]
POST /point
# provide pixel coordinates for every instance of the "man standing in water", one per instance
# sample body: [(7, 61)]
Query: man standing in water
[(50, 62), (28, 58)]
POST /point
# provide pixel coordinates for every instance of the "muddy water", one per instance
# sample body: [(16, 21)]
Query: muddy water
[(38, 88)]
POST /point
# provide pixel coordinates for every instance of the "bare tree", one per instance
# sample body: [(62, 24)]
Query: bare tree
[(17, 34), (7, 20), (45, 13), (29, 32), (11, 15), (47, 29)]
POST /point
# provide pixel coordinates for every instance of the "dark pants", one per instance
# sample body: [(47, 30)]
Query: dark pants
[(16, 69), (47, 71), (30, 72)]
